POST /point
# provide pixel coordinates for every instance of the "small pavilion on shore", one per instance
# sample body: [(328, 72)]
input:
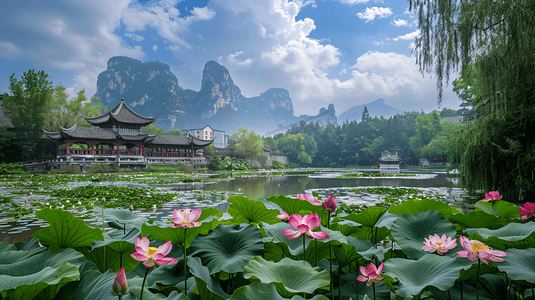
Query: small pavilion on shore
[(389, 163), (117, 137)]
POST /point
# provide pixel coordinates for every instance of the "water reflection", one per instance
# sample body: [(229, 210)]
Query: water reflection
[(263, 187)]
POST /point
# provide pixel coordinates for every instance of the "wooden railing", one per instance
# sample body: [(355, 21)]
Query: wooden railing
[(98, 152)]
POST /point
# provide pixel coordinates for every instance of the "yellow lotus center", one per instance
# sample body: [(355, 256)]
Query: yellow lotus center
[(478, 247), (151, 252), (438, 243)]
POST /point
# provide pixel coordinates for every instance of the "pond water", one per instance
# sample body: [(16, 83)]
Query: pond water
[(200, 195)]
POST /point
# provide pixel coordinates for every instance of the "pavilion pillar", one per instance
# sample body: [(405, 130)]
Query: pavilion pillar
[(57, 148), (67, 142), (92, 151)]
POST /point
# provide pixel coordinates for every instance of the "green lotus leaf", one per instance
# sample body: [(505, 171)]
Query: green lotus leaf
[(23, 275), (386, 220), (347, 253), (177, 236), (369, 217), (415, 275), (346, 227), (209, 213), (513, 235), (379, 253), (374, 234), (106, 257), (315, 250), (207, 285), (519, 264), (288, 276), (263, 291), (124, 216), (294, 206), (409, 231), (228, 248), (500, 209), (469, 270), (413, 206), (122, 243), (491, 287), (245, 210), (65, 231), (94, 285), (478, 219), (32, 246)]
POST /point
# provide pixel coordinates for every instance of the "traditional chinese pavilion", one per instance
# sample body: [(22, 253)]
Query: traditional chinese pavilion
[(117, 137), (389, 163)]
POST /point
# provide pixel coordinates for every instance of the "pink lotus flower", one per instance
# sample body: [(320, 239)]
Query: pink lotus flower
[(284, 216), (441, 244), (491, 196), (329, 204), (475, 248), (150, 255), (305, 225), (120, 286), (308, 198), (26, 201), (528, 211), (186, 218), (371, 274)]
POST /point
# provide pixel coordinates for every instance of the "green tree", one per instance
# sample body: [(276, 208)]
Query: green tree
[(26, 107), (493, 42), (69, 112), (427, 127), (248, 144)]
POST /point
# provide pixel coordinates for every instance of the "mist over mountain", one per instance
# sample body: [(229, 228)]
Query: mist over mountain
[(376, 108), (151, 89)]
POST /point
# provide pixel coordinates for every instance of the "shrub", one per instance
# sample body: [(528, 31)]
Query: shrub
[(102, 168), (70, 169)]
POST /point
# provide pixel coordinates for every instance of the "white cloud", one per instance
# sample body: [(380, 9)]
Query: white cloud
[(231, 58), (376, 43), (408, 36), (371, 12), (154, 48), (343, 72), (134, 36), (165, 18), (400, 22)]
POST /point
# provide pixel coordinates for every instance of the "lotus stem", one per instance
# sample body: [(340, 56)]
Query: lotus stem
[(316, 250), (304, 258), (330, 257), (477, 278), (340, 282), (143, 284), (373, 284), (461, 283), (532, 293), (102, 216), (185, 265), (121, 260), (375, 238), (124, 228), (357, 289), (449, 294)]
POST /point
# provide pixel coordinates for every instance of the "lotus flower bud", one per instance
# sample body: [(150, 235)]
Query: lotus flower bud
[(329, 204), (120, 286), (131, 208)]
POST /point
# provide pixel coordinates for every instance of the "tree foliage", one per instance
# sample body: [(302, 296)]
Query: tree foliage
[(247, 145), (493, 42)]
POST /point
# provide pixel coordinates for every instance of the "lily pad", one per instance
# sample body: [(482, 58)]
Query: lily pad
[(65, 231), (478, 219), (228, 248), (288, 276), (416, 275), (413, 206), (177, 236), (513, 235), (208, 287), (24, 275), (409, 231), (245, 210), (263, 291), (519, 264), (369, 217), (500, 209), (294, 206)]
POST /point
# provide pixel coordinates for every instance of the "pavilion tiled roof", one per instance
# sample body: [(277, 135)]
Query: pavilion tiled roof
[(120, 114), (389, 157), (180, 140), (78, 132)]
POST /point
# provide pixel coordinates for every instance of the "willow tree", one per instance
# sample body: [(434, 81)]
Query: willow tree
[(492, 43)]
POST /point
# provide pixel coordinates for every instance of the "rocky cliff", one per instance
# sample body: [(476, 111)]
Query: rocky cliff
[(152, 89)]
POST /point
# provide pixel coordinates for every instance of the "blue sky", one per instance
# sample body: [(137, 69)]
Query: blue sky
[(345, 52)]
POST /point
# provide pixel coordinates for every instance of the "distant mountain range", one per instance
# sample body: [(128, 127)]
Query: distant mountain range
[(151, 89), (376, 108)]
